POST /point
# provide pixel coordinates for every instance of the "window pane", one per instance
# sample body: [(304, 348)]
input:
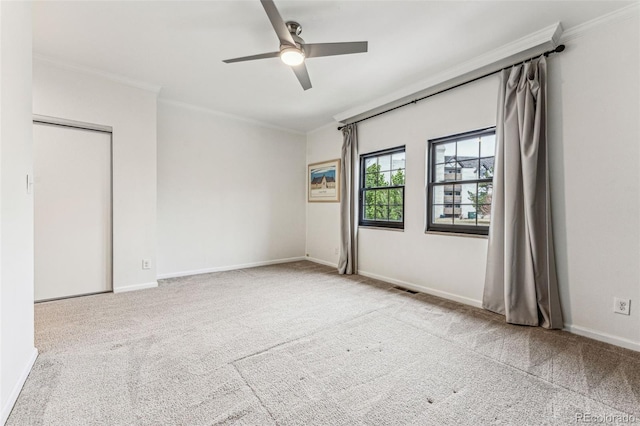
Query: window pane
[(468, 153), (398, 160), (377, 179), (438, 194), (369, 212), (452, 170), (452, 210), (369, 162), (457, 170), (469, 148), (488, 146), (448, 189), (382, 213), (369, 197), (385, 179), (443, 152), (370, 180), (486, 167), (466, 193), (384, 162), (397, 177), (465, 215), (395, 213), (485, 193), (372, 177), (441, 215), (439, 173), (382, 197), (468, 169), (395, 197), (484, 214)]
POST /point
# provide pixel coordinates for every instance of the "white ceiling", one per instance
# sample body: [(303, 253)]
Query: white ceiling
[(180, 46)]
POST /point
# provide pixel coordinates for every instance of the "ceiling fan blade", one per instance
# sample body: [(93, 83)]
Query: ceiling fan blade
[(314, 50), (278, 24), (253, 57), (303, 75)]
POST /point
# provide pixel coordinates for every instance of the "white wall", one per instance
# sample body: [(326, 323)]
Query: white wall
[(230, 192), (410, 257), (131, 112), (594, 118), (594, 132), (17, 352), (323, 219), (427, 260)]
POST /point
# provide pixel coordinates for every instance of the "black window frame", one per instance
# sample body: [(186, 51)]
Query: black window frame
[(451, 228), (380, 223)]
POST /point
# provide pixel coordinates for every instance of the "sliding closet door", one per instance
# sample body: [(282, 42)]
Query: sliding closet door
[(72, 195)]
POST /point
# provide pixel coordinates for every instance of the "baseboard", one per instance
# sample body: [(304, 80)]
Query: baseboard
[(13, 396), (574, 329), (423, 289), (229, 268), (603, 337), (135, 287), (321, 262), (581, 331)]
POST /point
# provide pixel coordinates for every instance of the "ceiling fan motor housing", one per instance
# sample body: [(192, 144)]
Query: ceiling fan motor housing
[(294, 28)]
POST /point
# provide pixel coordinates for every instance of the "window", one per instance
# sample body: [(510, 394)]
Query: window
[(382, 176), (460, 182)]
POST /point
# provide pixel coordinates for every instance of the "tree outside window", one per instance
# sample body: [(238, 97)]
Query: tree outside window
[(382, 188)]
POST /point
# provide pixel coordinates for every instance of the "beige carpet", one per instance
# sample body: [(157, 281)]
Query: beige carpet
[(298, 344)]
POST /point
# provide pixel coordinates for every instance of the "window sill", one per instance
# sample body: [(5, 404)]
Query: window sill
[(382, 228), (457, 234)]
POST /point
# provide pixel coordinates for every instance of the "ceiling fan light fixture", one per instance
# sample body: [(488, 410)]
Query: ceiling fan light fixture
[(292, 56)]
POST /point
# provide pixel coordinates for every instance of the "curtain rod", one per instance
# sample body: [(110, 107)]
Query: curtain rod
[(558, 49)]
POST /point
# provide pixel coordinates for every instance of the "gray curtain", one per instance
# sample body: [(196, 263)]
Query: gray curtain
[(348, 263), (521, 280)]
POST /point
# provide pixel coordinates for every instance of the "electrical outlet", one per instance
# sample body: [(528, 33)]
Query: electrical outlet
[(621, 306), (336, 251), (146, 264)]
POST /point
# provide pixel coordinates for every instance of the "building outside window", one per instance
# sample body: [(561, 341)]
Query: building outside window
[(460, 182), (382, 178)]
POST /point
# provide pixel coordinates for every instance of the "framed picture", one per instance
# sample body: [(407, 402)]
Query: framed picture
[(323, 181)]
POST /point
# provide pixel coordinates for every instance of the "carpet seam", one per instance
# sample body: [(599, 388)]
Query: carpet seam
[(295, 339), (254, 393)]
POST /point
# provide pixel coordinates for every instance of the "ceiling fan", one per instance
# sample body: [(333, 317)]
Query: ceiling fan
[(293, 49)]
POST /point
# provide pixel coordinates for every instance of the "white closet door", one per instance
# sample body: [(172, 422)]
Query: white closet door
[(72, 195)]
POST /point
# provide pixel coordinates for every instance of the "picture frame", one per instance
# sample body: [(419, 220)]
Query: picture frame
[(323, 182)]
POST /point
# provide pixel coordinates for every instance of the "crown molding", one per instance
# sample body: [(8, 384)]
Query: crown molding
[(154, 89), (627, 12), (197, 108), (543, 39), (97, 73), (331, 124)]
